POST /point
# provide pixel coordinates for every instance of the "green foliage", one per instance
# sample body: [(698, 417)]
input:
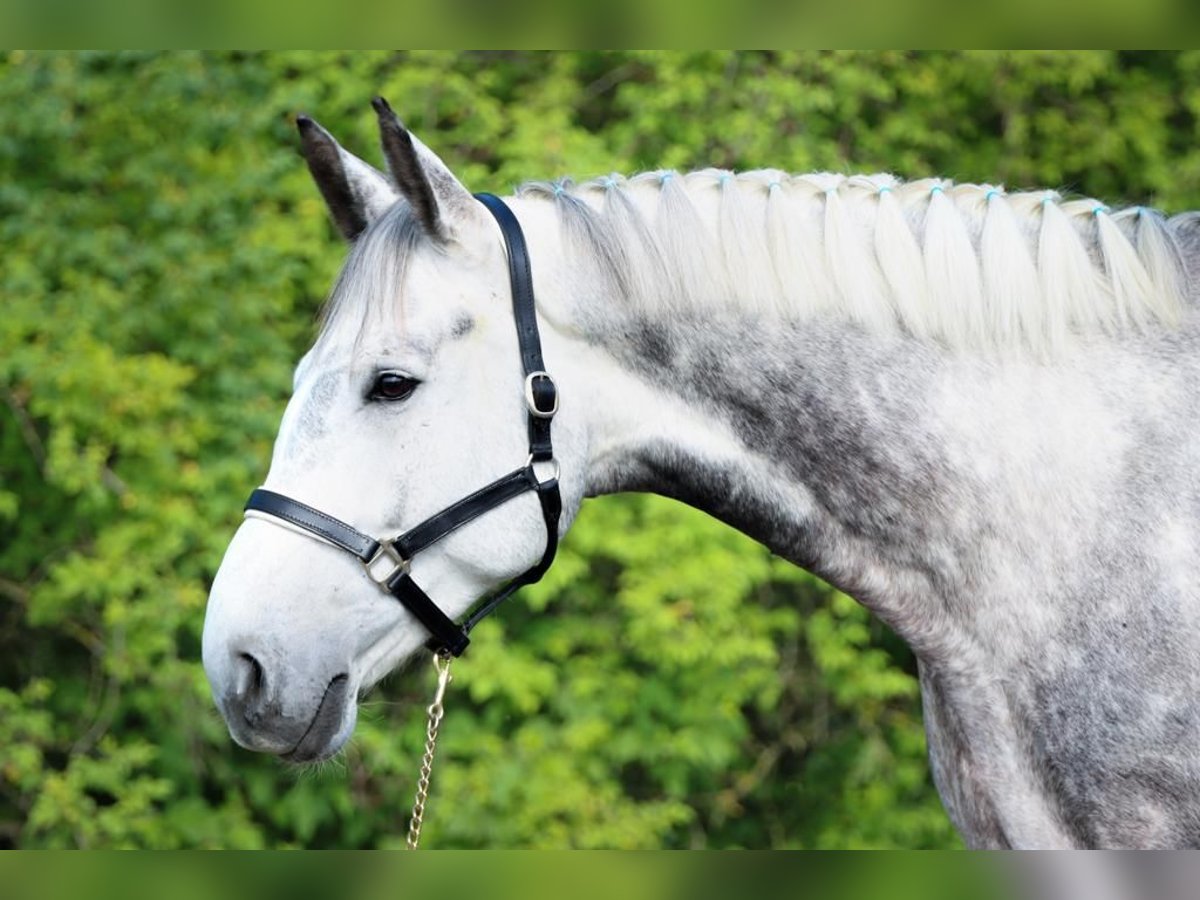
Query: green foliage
[(670, 683)]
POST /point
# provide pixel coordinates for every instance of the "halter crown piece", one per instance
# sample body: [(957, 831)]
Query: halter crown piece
[(388, 562)]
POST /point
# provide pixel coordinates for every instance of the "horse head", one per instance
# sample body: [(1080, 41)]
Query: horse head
[(413, 396)]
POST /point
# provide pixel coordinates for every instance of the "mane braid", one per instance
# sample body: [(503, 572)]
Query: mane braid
[(968, 265)]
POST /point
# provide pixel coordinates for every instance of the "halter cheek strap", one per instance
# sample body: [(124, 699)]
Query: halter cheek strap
[(388, 562)]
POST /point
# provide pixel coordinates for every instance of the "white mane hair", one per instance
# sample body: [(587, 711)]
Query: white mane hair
[(968, 265)]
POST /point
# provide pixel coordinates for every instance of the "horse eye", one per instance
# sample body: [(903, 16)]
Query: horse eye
[(392, 386)]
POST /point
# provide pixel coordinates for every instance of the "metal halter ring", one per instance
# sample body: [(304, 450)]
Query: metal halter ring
[(555, 470), (531, 401), (386, 550)]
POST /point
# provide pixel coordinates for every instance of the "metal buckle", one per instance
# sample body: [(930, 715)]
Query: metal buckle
[(386, 550), (555, 469), (531, 403)]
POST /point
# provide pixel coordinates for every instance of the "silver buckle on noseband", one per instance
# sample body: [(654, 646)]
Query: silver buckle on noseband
[(531, 402), (387, 551)]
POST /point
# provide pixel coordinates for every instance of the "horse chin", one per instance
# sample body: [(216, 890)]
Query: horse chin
[(331, 726), (395, 652)]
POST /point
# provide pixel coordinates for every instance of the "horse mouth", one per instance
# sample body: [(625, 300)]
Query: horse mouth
[(321, 741)]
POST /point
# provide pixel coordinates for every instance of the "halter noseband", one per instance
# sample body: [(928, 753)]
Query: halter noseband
[(387, 561)]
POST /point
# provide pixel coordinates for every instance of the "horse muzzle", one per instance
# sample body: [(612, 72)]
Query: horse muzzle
[(312, 725)]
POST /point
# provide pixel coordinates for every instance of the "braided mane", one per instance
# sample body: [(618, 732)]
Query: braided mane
[(970, 265)]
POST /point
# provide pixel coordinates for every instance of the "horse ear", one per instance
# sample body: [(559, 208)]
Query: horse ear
[(356, 193), (443, 206)]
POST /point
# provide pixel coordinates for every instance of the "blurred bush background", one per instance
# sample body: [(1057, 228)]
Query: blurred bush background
[(162, 258)]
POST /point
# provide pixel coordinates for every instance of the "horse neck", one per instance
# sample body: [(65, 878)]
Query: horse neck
[(826, 444), (905, 474)]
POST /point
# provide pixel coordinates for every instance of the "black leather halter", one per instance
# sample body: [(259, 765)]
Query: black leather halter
[(387, 561)]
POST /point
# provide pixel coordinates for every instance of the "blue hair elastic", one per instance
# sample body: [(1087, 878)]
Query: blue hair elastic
[(987, 198), (884, 190), (724, 179), (1099, 210), (665, 177), (1048, 199), (936, 189), (772, 185)]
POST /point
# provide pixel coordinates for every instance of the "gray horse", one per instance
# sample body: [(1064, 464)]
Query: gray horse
[(974, 411)]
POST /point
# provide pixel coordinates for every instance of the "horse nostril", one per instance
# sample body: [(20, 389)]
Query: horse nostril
[(249, 685)]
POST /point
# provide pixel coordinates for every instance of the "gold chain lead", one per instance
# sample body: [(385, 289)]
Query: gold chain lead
[(441, 664)]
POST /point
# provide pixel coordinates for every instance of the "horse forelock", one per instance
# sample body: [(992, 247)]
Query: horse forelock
[(965, 264), (369, 288)]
